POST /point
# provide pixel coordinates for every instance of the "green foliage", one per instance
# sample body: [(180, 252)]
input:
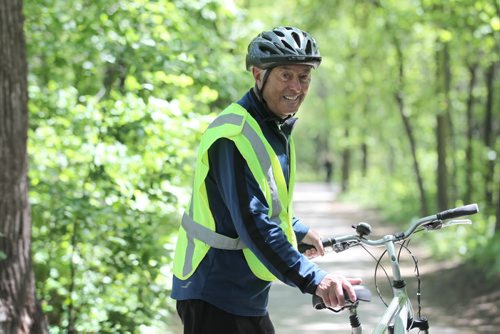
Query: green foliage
[(487, 256), (120, 92), (105, 198)]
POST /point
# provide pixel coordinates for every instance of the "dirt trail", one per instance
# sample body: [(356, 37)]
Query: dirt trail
[(292, 312)]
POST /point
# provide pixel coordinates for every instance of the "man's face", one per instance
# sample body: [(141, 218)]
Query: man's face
[(285, 89)]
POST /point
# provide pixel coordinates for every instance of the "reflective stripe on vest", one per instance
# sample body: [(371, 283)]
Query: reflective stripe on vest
[(195, 232)]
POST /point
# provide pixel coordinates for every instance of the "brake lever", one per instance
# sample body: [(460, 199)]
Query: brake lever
[(457, 222), (439, 224), (340, 247), (433, 225)]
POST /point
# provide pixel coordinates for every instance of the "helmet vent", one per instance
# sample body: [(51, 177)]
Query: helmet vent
[(296, 37), (267, 37), (266, 50), (279, 33), (288, 46), (308, 48)]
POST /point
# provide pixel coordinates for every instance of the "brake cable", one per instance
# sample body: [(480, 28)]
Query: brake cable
[(379, 264)]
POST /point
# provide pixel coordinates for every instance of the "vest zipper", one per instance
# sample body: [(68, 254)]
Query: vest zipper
[(287, 148)]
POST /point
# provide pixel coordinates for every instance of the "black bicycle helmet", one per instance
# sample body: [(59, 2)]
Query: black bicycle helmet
[(281, 46)]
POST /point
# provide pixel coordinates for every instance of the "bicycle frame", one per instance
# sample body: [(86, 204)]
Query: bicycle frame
[(399, 313), (399, 310)]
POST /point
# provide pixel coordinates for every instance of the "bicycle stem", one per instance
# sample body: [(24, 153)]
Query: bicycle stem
[(391, 252)]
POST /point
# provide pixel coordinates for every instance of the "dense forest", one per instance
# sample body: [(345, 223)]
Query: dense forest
[(405, 104)]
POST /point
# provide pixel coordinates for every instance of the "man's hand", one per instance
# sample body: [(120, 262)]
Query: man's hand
[(313, 238), (332, 287)]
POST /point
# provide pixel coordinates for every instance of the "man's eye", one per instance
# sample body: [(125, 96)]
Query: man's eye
[(285, 76), (304, 78)]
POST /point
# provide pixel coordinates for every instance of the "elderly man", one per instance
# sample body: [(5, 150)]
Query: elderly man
[(239, 233)]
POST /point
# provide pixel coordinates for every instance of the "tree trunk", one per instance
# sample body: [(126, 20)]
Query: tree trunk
[(364, 159), (398, 95), (442, 168), (469, 158), (364, 147), (489, 135), (497, 224), (19, 310), (346, 162), (442, 125), (451, 138)]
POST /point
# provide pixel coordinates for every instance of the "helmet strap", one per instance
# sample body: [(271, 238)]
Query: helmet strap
[(260, 91)]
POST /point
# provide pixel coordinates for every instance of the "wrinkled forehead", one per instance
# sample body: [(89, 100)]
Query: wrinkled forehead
[(297, 68)]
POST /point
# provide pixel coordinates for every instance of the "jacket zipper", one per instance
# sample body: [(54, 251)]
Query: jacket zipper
[(287, 148)]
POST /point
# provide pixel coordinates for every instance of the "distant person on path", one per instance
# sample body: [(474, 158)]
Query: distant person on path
[(328, 164), (239, 233)]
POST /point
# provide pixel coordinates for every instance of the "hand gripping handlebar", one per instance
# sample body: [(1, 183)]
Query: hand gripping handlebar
[(362, 294), (327, 242)]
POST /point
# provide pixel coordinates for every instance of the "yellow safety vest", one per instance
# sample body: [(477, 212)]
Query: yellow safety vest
[(197, 231)]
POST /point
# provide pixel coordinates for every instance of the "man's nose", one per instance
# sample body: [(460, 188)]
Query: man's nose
[(295, 84)]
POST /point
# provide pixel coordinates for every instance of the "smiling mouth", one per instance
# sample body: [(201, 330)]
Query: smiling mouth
[(291, 98)]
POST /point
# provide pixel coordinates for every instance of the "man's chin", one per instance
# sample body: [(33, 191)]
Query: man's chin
[(291, 113), (287, 115)]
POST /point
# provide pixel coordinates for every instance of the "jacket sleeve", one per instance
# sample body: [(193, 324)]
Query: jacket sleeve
[(299, 229), (248, 211)]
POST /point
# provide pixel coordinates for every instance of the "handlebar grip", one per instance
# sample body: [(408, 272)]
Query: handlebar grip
[(326, 243), (362, 294), (318, 303), (458, 212), (303, 247)]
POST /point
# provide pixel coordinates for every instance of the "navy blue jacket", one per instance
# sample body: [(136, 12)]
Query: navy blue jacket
[(239, 208)]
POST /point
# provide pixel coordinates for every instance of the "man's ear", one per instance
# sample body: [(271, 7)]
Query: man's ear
[(258, 74)]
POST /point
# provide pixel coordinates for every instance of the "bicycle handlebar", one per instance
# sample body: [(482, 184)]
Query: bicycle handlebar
[(431, 222), (327, 242), (465, 210)]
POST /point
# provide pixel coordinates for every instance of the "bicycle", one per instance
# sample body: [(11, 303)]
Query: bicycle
[(399, 317)]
